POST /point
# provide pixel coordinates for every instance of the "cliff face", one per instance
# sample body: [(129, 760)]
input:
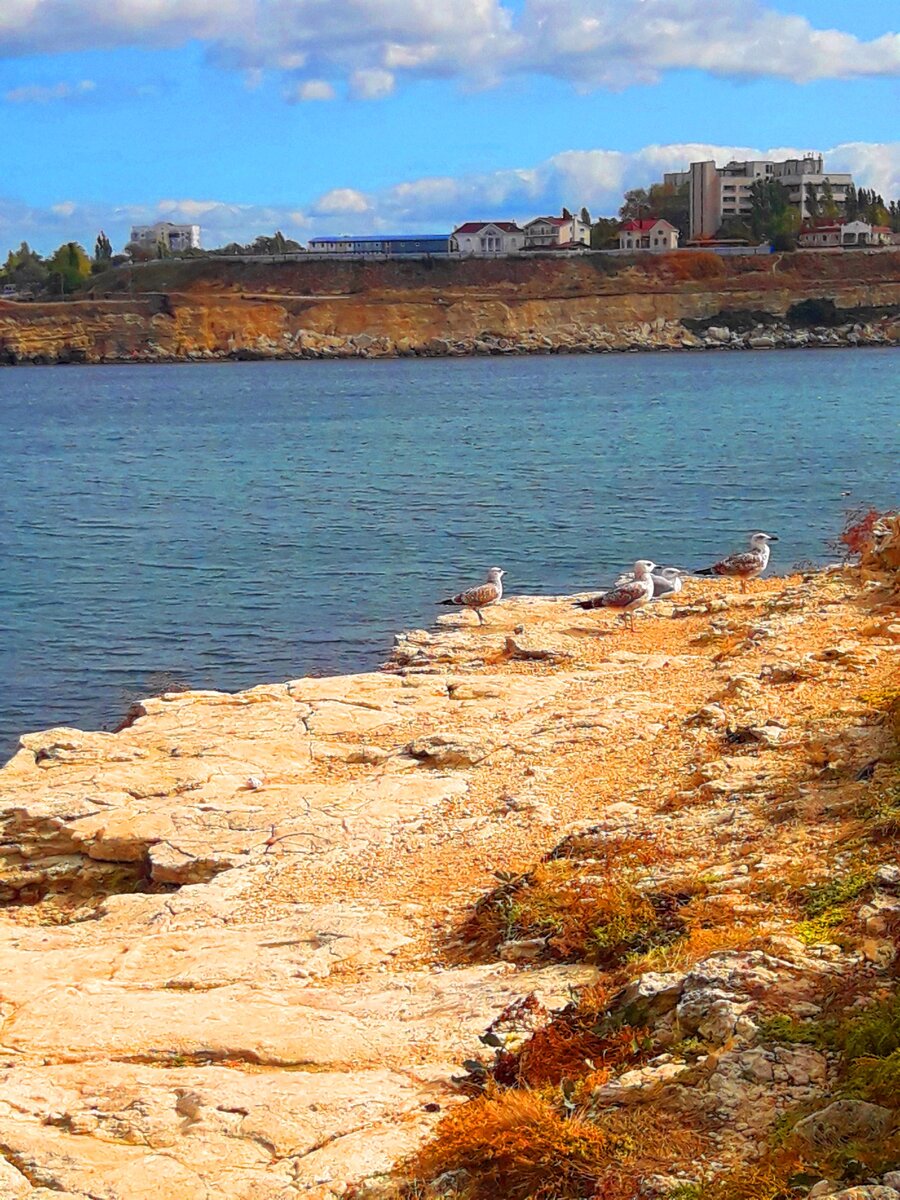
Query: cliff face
[(202, 308), (251, 944)]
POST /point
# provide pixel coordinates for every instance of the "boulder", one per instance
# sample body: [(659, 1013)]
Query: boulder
[(844, 1121)]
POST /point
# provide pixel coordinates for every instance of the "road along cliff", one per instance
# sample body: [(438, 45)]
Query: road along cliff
[(543, 909), (213, 309)]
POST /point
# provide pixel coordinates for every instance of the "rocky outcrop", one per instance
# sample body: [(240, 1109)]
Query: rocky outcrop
[(260, 945), (210, 309)]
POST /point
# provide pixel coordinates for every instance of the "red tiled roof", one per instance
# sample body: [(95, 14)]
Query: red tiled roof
[(558, 221), (475, 226), (644, 225)]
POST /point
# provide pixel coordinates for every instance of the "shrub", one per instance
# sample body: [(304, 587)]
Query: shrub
[(519, 1145)]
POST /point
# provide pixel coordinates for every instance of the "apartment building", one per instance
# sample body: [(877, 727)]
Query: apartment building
[(164, 233), (718, 193)]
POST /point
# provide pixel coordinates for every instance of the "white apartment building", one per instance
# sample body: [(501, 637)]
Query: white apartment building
[(164, 233), (717, 193)]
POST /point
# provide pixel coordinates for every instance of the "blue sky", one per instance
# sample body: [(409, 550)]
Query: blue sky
[(362, 115)]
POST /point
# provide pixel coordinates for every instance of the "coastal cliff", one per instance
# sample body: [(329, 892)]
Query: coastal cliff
[(543, 908), (213, 309)]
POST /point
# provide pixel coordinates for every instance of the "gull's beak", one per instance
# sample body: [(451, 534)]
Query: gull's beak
[(772, 537)]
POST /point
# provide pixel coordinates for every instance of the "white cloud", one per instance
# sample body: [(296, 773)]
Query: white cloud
[(310, 89), (41, 94), (371, 44), (595, 178), (341, 200), (372, 83)]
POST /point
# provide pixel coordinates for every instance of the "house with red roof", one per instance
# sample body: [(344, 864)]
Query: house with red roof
[(832, 235), (487, 238), (551, 233), (651, 233)]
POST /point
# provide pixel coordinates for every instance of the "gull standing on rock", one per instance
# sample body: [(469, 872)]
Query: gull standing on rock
[(666, 581), (628, 598), (482, 596), (747, 565)]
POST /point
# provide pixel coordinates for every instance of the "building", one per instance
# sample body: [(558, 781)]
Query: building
[(383, 243), (487, 237), (165, 234), (550, 233), (825, 235), (720, 193), (653, 234)]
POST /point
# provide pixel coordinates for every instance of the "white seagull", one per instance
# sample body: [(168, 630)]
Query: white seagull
[(628, 598), (746, 565), (666, 581), (481, 596)]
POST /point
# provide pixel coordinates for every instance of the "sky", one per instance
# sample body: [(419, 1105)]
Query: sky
[(365, 116)]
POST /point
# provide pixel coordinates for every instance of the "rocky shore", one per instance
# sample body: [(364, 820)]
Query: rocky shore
[(205, 310), (542, 905), (659, 335)]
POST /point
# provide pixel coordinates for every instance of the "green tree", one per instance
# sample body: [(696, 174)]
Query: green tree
[(585, 216), (635, 205), (827, 203), (604, 232), (25, 269), (812, 202), (768, 206), (851, 204), (69, 267), (102, 248)]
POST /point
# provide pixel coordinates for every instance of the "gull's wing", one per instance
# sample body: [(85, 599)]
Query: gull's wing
[(478, 597), (621, 597), (739, 564)]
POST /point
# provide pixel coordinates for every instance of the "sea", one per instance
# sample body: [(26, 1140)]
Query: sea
[(220, 526)]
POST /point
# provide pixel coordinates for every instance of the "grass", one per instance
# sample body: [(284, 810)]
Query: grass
[(827, 905), (591, 912)]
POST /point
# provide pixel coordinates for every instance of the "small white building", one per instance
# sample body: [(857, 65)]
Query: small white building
[(828, 235), (487, 238), (164, 233), (552, 232), (653, 234)]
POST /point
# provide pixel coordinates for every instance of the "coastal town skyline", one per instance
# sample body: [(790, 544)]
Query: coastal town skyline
[(248, 117)]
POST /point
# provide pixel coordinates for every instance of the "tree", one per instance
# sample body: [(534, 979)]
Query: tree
[(851, 204), (812, 202), (102, 248), (769, 208), (827, 203), (604, 233), (585, 216), (635, 205), (25, 269), (566, 215), (69, 267)]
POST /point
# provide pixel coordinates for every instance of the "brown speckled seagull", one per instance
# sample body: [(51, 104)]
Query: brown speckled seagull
[(628, 598), (482, 596), (747, 565)]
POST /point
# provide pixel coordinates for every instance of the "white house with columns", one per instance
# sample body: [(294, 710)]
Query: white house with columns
[(487, 238)]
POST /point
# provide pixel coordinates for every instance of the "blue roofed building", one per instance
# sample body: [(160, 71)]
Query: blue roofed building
[(382, 243)]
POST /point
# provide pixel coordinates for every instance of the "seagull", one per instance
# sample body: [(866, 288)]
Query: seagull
[(630, 596), (747, 565), (666, 581), (481, 596)]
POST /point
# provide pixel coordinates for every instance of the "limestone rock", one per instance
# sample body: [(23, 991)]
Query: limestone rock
[(844, 1121)]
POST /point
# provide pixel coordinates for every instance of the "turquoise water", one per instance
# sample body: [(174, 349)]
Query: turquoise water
[(228, 525)]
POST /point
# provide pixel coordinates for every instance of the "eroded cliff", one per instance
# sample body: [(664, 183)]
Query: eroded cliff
[(201, 309)]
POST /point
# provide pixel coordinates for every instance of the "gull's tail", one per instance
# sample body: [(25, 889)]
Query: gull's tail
[(594, 602), (705, 571), (451, 600)]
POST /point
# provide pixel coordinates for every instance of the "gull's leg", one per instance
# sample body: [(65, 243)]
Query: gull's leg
[(743, 584), (480, 617)]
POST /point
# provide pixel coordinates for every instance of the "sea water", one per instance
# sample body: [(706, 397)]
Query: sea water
[(219, 526)]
